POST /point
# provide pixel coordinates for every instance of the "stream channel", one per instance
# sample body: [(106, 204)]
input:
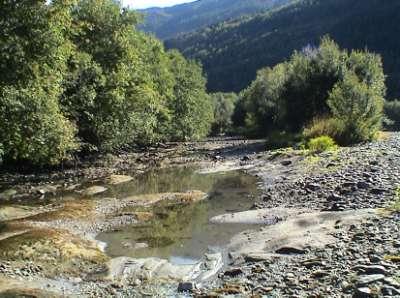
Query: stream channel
[(182, 233)]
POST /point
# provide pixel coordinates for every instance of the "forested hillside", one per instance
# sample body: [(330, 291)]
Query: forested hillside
[(232, 51), (171, 21)]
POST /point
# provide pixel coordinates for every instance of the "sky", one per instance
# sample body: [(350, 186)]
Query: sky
[(150, 3)]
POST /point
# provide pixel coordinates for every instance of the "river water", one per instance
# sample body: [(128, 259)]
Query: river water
[(182, 233)]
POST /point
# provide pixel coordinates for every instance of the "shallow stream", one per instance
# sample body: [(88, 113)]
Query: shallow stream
[(182, 233)]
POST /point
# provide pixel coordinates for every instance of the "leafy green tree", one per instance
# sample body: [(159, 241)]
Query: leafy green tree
[(314, 87), (358, 106), (224, 107), (192, 109), (33, 52), (77, 72)]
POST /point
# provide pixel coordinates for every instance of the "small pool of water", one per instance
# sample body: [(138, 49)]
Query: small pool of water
[(182, 233)]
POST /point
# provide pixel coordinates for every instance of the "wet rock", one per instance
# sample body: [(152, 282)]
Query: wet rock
[(363, 293), (337, 207), (233, 272), (374, 269), (245, 158), (185, 287), (256, 257), (313, 186), (368, 279), (286, 162), (392, 282), (362, 185), (94, 190), (377, 191), (334, 198), (8, 194), (118, 179), (390, 291), (290, 250), (258, 216)]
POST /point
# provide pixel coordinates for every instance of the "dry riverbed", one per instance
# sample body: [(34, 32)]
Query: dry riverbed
[(320, 225)]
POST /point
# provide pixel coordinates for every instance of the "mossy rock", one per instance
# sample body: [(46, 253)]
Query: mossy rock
[(57, 251), (28, 293)]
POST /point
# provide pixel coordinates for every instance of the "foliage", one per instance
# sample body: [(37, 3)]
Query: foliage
[(232, 51), (321, 126), (33, 54), (358, 106), (192, 107), (392, 112), (78, 72), (321, 144), (172, 21), (339, 93), (224, 107)]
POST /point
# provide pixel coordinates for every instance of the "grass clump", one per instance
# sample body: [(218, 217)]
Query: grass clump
[(321, 144)]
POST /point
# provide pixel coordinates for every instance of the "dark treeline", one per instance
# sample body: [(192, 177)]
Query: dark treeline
[(232, 52), (77, 75)]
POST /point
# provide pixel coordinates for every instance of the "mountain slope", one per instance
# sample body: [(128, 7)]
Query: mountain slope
[(172, 21), (233, 51)]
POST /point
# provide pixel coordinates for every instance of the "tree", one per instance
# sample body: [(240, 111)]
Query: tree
[(224, 106), (192, 110), (316, 86), (33, 51), (358, 107)]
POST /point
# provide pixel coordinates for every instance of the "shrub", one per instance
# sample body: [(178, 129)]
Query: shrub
[(392, 113), (358, 107), (321, 126), (321, 144)]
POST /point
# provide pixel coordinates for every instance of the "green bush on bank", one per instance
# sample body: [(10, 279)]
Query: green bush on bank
[(78, 72), (321, 144), (327, 90)]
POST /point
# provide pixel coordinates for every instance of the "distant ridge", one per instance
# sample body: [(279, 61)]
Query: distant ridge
[(171, 21), (233, 51)]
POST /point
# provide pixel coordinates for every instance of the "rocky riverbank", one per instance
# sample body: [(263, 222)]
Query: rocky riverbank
[(327, 226), (361, 258)]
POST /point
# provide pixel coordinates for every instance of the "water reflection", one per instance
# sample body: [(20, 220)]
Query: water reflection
[(182, 233)]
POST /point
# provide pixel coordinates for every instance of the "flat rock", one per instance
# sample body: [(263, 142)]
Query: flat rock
[(18, 212), (125, 269), (118, 179), (8, 194), (307, 229), (363, 293), (368, 279), (290, 250), (268, 216), (373, 269), (94, 190), (185, 287)]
